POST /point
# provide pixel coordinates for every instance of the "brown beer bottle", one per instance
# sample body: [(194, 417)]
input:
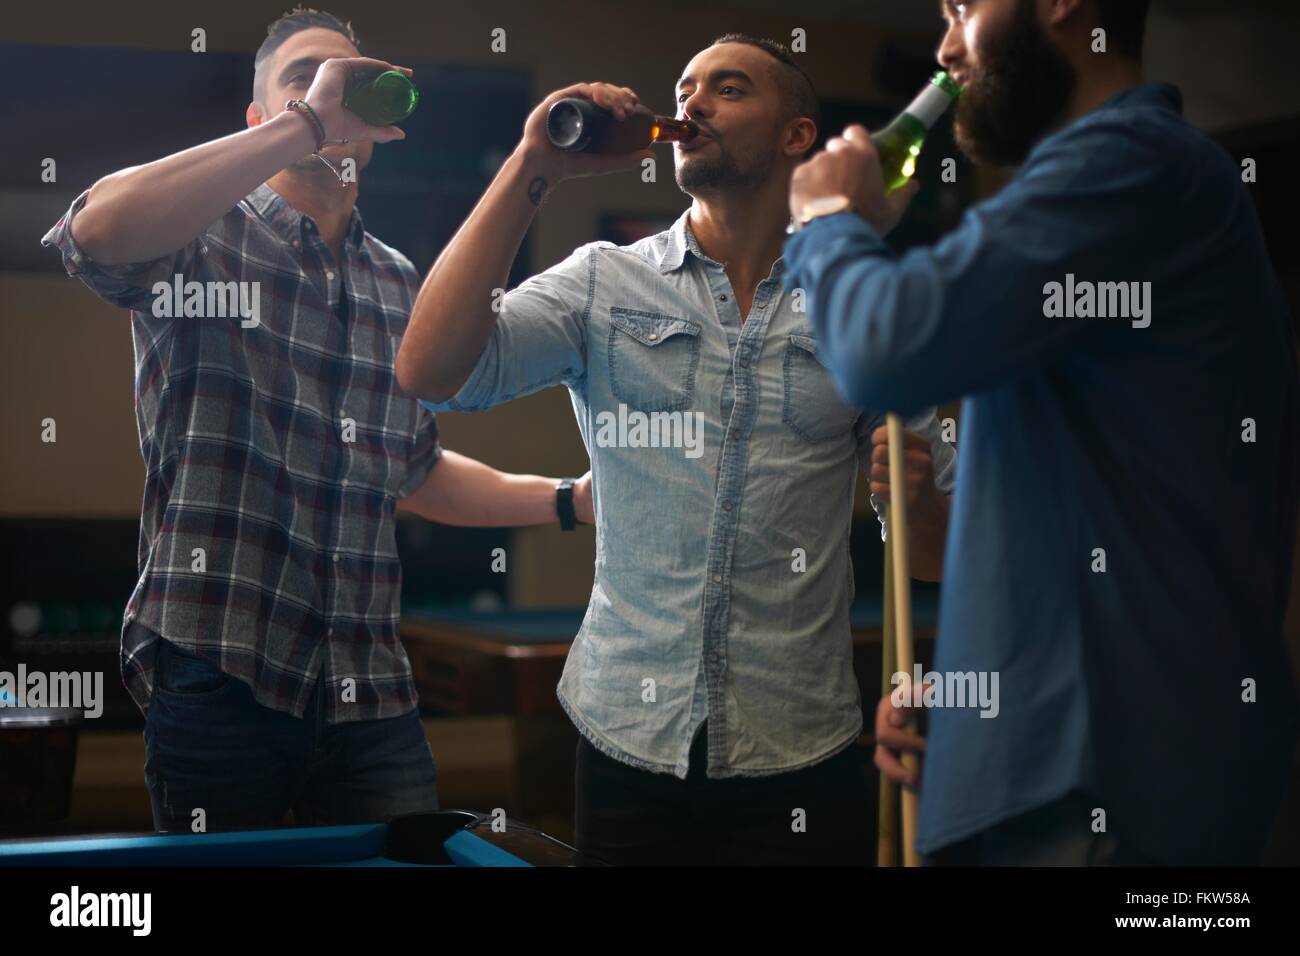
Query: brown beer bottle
[(580, 126)]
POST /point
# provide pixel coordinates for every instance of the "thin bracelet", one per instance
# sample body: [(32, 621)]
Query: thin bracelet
[(303, 108)]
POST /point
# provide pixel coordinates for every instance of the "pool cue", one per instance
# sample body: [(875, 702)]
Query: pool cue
[(902, 581), (887, 803)]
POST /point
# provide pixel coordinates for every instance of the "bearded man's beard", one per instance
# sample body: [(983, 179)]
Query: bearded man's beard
[(1018, 95)]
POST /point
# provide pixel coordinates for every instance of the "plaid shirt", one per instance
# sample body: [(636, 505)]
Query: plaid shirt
[(280, 450)]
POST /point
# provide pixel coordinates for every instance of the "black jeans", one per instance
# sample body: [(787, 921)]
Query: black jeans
[(1056, 834), (816, 816), (210, 746)]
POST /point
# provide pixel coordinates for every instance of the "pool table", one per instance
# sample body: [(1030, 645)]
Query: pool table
[(508, 662), (444, 838)]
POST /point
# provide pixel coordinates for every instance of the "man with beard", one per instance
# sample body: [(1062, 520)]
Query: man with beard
[(712, 680), (262, 638), (1125, 516)]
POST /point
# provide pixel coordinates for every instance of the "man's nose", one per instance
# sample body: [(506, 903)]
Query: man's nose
[(952, 49), (694, 107)]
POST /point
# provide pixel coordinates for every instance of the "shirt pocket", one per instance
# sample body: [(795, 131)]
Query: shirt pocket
[(812, 408), (652, 360)]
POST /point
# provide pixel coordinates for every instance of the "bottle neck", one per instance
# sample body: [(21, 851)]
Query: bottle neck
[(667, 129), (932, 103)]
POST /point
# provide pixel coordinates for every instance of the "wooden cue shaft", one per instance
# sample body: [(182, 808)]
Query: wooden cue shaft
[(902, 615), (887, 803)]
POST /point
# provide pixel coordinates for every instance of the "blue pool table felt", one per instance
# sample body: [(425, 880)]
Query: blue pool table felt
[(305, 846)]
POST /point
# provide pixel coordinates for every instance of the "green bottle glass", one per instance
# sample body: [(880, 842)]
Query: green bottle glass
[(381, 99), (899, 143)]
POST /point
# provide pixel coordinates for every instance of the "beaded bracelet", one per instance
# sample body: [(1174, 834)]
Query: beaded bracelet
[(302, 108)]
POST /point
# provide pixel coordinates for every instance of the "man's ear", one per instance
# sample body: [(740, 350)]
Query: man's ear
[(800, 137), (1059, 11), (255, 115)]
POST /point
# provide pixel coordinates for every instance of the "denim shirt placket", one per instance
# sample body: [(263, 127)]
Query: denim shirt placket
[(738, 408)]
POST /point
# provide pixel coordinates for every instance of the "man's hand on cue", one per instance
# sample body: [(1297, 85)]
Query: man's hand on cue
[(849, 166), (892, 741), (926, 506)]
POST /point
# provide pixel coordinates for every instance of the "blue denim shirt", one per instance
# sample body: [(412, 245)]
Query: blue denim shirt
[(722, 580), (1081, 435)]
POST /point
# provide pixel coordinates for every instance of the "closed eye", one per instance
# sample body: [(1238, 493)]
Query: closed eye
[(682, 96)]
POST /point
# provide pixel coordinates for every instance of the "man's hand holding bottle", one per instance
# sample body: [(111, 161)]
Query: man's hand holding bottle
[(325, 97), (555, 165)]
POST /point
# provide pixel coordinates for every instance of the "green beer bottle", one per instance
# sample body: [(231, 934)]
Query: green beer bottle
[(899, 143), (380, 99)]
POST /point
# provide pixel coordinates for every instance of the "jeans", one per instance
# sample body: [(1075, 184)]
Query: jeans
[(1056, 834), (210, 746), (815, 816)]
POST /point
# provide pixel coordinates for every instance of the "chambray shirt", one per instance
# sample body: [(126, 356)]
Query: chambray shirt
[(1089, 435), (723, 581), (280, 450)]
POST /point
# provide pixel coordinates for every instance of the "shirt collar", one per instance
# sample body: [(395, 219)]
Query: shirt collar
[(1164, 95), (1144, 96), (292, 224), (679, 240)]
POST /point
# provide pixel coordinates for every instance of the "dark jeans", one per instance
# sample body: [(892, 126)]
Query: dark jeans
[(1056, 834), (209, 745), (632, 817)]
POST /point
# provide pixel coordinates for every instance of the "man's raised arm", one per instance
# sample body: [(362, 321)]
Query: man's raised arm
[(144, 212), (453, 315)]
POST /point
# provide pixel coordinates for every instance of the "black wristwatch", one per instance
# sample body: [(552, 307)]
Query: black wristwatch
[(564, 505)]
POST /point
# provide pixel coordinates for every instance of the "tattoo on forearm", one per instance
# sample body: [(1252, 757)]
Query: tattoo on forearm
[(537, 191)]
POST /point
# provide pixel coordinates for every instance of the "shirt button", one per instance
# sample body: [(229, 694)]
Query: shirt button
[(297, 244), (717, 579), (329, 630), (726, 506), (336, 559), (744, 362), (330, 276), (652, 336), (723, 297), (345, 482)]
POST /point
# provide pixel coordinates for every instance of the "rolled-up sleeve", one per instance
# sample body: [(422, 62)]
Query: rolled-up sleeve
[(130, 285), (425, 453), (539, 339)]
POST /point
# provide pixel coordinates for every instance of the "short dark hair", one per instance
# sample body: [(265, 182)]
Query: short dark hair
[(796, 88), (295, 21), (1125, 23)]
